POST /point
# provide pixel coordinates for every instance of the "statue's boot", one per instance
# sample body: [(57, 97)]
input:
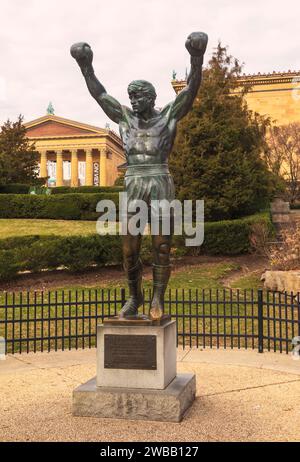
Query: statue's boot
[(134, 277), (161, 275)]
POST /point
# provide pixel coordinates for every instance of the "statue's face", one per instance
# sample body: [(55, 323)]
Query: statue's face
[(139, 102)]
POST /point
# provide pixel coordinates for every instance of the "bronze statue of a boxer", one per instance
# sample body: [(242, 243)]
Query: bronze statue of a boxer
[(148, 136)]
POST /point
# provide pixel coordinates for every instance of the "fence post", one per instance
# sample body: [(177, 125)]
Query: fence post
[(6, 318), (123, 296), (298, 301), (260, 305)]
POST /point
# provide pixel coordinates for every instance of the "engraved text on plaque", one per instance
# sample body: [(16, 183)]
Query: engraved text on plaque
[(130, 352)]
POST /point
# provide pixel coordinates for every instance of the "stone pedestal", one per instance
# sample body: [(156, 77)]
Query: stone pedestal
[(136, 374), (136, 356), (168, 405)]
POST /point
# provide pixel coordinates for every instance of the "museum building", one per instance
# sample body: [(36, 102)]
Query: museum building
[(276, 94), (74, 153)]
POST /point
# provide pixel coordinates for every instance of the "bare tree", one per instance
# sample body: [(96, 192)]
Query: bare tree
[(283, 156)]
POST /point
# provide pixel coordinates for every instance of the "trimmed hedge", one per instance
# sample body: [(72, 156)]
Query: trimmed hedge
[(19, 188), (75, 253), (85, 189), (59, 206), (35, 253), (14, 188), (227, 237)]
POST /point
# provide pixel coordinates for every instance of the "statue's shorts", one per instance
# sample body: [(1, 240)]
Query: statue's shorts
[(152, 184)]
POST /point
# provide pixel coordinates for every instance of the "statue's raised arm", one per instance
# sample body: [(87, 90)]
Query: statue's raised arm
[(83, 54), (196, 45)]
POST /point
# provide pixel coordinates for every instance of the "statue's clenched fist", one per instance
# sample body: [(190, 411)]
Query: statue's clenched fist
[(83, 54), (196, 43)]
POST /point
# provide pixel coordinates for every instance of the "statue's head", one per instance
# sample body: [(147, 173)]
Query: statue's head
[(142, 95)]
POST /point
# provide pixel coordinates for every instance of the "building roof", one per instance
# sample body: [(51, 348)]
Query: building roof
[(254, 79), (51, 126), (270, 78)]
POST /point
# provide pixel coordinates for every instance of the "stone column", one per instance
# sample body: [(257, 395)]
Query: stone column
[(43, 164), (102, 164), (74, 168), (88, 167), (59, 168)]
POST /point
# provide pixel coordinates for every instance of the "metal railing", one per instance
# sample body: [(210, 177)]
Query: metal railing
[(206, 318)]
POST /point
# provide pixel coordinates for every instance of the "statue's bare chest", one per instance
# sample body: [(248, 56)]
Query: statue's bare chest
[(141, 137)]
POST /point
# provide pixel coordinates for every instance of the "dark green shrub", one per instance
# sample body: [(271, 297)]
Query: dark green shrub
[(14, 188), (75, 253), (85, 189), (227, 237), (59, 207), (9, 265)]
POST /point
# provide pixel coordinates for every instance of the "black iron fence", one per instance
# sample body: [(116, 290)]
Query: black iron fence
[(206, 318)]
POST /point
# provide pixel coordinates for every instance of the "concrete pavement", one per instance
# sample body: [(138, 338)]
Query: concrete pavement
[(241, 396)]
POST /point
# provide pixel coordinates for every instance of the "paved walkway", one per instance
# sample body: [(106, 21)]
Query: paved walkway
[(241, 396)]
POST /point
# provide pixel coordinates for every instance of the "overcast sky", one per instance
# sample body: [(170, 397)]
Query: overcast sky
[(131, 39)]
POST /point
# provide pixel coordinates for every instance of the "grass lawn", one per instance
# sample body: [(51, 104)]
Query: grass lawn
[(24, 227), (245, 282), (190, 277)]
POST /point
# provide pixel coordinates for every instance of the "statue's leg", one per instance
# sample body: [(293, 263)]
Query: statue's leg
[(161, 246), (163, 190), (133, 269)]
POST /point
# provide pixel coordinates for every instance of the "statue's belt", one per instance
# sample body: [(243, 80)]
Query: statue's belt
[(147, 170)]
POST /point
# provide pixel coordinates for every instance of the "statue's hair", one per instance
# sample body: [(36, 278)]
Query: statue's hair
[(142, 86)]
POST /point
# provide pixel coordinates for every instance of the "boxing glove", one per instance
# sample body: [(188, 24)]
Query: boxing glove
[(82, 52), (196, 43)]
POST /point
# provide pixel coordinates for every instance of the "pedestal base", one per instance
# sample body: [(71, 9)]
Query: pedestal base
[(168, 405), (133, 355)]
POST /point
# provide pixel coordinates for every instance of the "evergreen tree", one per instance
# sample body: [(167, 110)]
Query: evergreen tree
[(18, 157), (217, 152)]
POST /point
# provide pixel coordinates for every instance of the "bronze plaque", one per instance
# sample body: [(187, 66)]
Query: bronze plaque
[(130, 352)]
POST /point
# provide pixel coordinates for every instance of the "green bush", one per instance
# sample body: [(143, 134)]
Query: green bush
[(75, 253), (21, 188), (9, 264), (15, 188), (227, 237), (59, 207), (85, 189), (232, 237)]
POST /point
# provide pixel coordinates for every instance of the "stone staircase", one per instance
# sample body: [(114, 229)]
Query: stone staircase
[(282, 217)]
